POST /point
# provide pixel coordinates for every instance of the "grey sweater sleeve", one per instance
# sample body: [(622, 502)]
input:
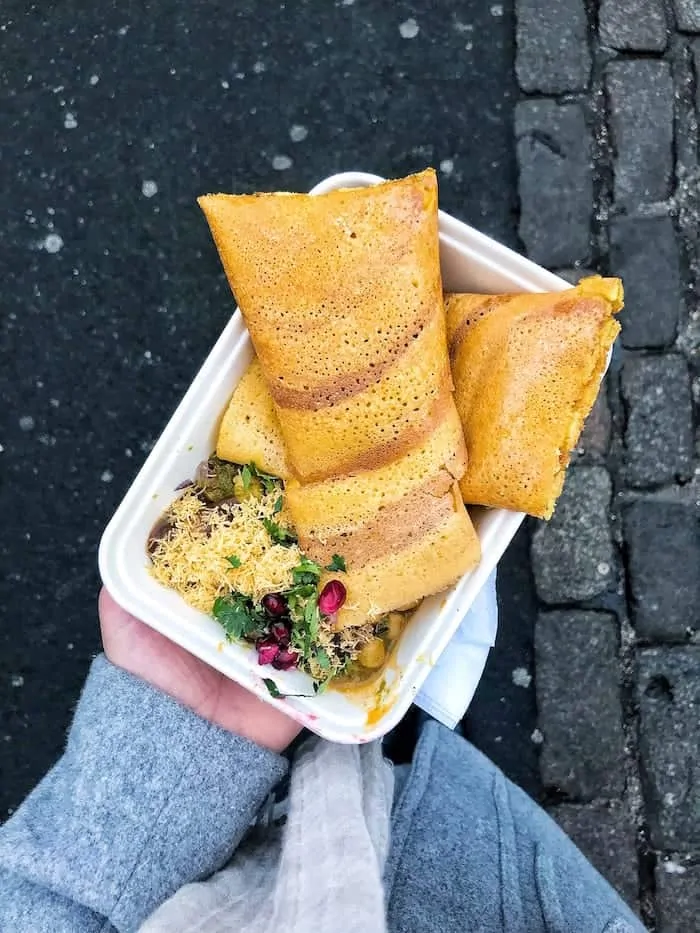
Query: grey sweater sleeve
[(146, 798)]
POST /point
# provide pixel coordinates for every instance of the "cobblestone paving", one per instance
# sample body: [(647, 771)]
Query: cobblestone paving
[(607, 146)]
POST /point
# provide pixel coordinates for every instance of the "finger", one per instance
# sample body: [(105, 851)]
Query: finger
[(118, 626)]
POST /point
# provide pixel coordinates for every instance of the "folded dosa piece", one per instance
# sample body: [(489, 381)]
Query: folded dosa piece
[(342, 297), (402, 528), (527, 370), (250, 431)]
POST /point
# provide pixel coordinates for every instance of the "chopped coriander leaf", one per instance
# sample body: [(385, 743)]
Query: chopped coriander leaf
[(276, 693), (268, 481), (312, 617), (277, 508), (273, 689), (234, 561), (238, 616), (324, 662), (337, 563), (278, 534), (246, 476), (307, 571)]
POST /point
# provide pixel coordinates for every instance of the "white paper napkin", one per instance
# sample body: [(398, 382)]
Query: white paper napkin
[(450, 686)]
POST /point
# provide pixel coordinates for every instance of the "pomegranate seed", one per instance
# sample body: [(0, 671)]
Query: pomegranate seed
[(268, 651), (274, 604), (285, 660), (332, 597), (280, 633)]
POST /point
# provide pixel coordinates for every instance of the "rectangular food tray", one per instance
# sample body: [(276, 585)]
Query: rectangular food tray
[(470, 262)]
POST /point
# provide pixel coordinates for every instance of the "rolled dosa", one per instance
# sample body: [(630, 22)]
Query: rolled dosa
[(402, 528), (250, 431), (342, 296), (343, 300), (527, 370)]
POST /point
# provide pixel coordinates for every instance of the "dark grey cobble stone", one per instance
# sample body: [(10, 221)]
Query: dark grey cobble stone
[(669, 744), (658, 442), (572, 554), (605, 834), (640, 95), (677, 896), (687, 15), (595, 437), (663, 543), (555, 181), (633, 25), (644, 252), (552, 46), (578, 698)]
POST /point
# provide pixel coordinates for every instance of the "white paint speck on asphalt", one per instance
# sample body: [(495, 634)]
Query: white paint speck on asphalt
[(26, 423), (69, 121), (149, 188), (409, 29), (281, 162), (447, 166), (521, 677), (52, 243), (298, 133), (107, 476)]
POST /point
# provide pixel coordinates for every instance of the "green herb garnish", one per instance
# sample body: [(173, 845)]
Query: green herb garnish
[(277, 508), (246, 476), (234, 561), (268, 481), (337, 563), (273, 689), (279, 534), (277, 694), (238, 616), (307, 571)]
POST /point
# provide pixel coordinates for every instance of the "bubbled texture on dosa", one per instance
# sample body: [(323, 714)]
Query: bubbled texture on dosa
[(343, 300), (250, 431), (527, 369), (342, 297)]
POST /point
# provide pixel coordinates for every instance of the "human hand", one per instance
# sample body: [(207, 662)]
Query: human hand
[(139, 649)]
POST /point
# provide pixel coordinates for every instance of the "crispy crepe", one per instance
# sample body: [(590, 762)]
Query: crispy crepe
[(527, 370), (342, 297), (402, 528), (343, 300), (250, 431)]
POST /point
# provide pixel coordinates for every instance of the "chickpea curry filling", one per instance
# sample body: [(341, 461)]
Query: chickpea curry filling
[(228, 547)]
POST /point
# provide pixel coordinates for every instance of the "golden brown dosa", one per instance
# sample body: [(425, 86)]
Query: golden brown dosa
[(342, 297), (527, 370), (250, 431)]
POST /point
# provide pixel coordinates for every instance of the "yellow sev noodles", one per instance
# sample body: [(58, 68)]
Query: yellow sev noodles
[(192, 557)]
